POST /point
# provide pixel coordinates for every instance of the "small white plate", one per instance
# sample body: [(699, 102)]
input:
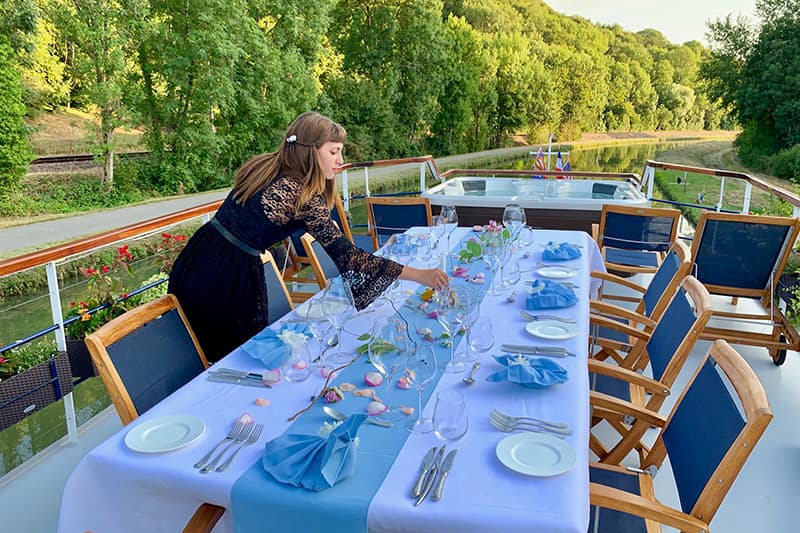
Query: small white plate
[(535, 454), (556, 272), (164, 434), (551, 329)]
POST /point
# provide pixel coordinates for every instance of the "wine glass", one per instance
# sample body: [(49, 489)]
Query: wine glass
[(513, 219), (437, 230), (480, 336), (452, 305), (318, 324), (421, 368), (338, 307), (492, 250), (467, 317), (388, 350), (450, 221)]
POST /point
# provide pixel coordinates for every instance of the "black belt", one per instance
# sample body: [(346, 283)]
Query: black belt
[(231, 238)]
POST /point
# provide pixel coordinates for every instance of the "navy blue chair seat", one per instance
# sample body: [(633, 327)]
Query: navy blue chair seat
[(388, 215)]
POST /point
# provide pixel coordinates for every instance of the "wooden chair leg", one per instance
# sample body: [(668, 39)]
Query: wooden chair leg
[(204, 519)]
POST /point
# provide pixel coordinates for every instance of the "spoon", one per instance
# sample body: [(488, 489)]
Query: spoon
[(469, 380), (338, 415)]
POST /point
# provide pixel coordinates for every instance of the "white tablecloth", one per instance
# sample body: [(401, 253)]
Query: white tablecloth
[(116, 489)]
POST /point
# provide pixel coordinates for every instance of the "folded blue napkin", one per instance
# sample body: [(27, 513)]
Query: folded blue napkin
[(560, 252), (530, 372), (312, 462), (545, 294), (268, 348)]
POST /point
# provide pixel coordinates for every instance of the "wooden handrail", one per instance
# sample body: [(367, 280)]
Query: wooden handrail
[(55, 253), (757, 182), (386, 162)]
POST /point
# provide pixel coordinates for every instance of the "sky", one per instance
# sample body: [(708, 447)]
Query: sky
[(678, 20)]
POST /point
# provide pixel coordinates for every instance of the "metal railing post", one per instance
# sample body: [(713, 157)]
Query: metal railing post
[(366, 181), (721, 192), (61, 344), (422, 178), (748, 189), (650, 176)]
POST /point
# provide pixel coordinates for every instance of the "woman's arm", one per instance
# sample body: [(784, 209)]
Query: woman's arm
[(431, 277)]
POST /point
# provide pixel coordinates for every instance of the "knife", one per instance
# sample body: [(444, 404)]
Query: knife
[(448, 462), (426, 465), (431, 475), (238, 380), (544, 351), (238, 373)]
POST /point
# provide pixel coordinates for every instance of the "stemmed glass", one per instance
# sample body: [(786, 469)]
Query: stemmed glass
[(421, 368), (493, 248), (467, 317), (338, 307), (452, 307), (437, 231), (514, 219), (318, 324), (388, 350), (450, 221)]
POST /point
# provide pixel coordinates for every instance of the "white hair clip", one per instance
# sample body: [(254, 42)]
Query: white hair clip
[(290, 139)]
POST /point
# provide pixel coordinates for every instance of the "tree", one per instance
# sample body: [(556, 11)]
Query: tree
[(96, 29), (17, 21)]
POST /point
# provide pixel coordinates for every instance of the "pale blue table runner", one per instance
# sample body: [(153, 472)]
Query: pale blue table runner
[(261, 503)]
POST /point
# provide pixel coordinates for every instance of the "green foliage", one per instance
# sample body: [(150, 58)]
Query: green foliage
[(26, 356), (786, 164), (15, 152)]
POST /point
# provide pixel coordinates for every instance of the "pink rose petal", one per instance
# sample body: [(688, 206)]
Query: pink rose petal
[(373, 379), (375, 408)]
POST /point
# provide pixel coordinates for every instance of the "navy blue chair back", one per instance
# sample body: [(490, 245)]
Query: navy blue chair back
[(673, 328), (329, 268), (739, 254), (388, 216), (278, 301), (156, 360), (637, 232), (661, 280)]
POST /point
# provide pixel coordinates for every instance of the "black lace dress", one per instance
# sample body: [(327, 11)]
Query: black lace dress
[(221, 285)]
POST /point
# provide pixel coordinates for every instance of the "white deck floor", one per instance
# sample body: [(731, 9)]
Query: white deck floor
[(761, 500)]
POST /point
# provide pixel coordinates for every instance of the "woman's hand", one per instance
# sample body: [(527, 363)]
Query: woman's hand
[(431, 277)]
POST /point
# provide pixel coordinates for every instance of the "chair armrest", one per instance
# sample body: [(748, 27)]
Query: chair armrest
[(596, 233), (602, 321), (629, 376), (622, 407), (620, 500), (606, 276), (604, 308)]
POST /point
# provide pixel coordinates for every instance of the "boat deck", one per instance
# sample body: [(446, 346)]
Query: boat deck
[(761, 499)]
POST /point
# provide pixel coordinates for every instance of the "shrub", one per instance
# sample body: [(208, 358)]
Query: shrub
[(786, 164)]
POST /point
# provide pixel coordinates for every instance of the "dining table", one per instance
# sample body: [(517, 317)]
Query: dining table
[(115, 488)]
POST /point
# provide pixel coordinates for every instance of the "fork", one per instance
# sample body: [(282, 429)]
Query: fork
[(507, 427), (237, 427), (544, 265), (251, 439), (247, 428), (530, 317), (511, 420)]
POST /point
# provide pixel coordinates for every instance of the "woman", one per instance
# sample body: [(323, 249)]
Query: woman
[(219, 277)]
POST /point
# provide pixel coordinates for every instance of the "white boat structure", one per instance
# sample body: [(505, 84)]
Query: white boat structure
[(761, 496)]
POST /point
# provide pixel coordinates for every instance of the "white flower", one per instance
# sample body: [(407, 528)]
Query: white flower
[(293, 339), (327, 427)]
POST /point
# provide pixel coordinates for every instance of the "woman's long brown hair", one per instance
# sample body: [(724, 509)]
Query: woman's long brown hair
[(296, 157)]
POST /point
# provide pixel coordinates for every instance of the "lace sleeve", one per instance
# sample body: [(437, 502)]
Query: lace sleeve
[(368, 274)]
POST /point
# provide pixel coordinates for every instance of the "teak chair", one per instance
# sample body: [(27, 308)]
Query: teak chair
[(143, 356), (279, 301), (665, 351), (321, 263), (650, 305), (707, 440), (742, 256), (635, 239), (390, 215)]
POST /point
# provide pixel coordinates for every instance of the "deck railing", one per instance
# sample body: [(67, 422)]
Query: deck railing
[(51, 257)]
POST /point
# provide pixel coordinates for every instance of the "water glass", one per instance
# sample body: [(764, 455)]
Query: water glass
[(450, 421), (421, 368), (298, 366), (514, 219), (450, 220), (511, 272), (480, 336)]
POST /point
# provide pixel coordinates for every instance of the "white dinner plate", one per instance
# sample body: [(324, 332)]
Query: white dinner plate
[(556, 272), (535, 454), (165, 433), (552, 329)]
